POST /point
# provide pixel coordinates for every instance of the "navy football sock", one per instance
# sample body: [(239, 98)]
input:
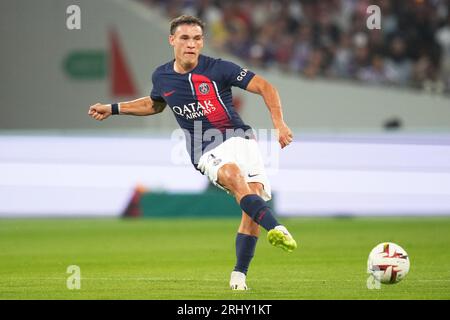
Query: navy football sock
[(245, 249), (259, 211)]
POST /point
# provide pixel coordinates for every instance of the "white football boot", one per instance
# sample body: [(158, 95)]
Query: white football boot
[(237, 281)]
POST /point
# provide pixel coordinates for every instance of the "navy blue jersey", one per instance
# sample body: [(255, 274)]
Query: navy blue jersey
[(201, 101)]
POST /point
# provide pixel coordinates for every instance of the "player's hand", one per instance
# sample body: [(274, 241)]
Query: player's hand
[(285, 135), (100, 111)]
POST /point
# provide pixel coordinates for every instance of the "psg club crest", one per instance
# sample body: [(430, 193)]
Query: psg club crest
[(215, 161), (203, 88)]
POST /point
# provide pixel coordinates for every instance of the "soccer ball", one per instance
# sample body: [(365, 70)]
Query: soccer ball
[(388, 263)]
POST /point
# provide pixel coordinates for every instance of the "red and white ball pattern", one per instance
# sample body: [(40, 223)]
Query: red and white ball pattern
[(388, 263)]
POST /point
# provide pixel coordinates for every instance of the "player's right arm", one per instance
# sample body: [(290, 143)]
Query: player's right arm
[(140, 107)]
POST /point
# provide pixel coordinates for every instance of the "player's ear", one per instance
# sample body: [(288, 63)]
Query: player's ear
[(171, 40)]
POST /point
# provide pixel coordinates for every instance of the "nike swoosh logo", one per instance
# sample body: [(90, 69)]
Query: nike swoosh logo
[(166, 94), (253, 175)]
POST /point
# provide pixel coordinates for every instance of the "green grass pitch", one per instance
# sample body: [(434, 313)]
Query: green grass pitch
[(192, 259)]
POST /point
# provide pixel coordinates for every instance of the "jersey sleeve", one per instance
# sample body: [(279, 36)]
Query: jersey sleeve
[(235, 75), (156, 91)]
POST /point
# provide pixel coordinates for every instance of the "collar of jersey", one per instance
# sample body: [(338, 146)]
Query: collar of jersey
[(200, 60)]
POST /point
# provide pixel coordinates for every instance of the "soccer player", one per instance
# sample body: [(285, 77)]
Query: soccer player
[(198, 90)]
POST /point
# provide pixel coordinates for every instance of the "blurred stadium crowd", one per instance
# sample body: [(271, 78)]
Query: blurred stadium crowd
[(330, 39)]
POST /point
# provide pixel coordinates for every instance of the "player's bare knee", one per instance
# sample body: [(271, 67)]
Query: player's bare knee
[(256, 188), (252, 231), (230, 176), (248, 226)]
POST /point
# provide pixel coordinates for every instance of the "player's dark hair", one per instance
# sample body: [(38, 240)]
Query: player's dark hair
[(185, 19)]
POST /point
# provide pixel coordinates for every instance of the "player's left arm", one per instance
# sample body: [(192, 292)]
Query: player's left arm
[(272, 99)]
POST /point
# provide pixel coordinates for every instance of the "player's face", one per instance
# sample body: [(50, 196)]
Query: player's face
[(187, 42)]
